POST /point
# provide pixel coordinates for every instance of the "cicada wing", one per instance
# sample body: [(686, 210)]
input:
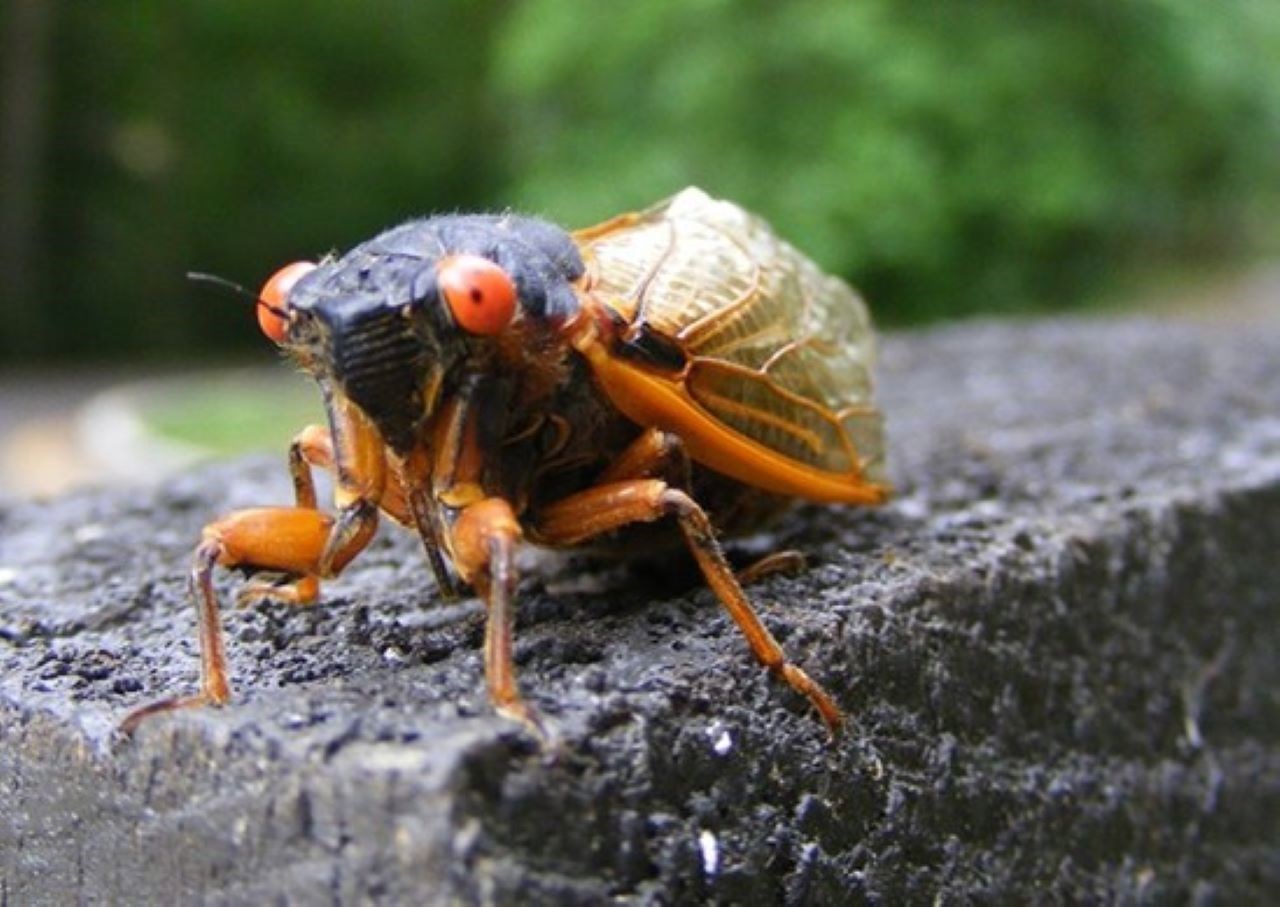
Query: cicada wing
[(779, 351)]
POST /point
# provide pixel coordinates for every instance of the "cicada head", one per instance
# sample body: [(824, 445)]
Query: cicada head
[(398, 320)]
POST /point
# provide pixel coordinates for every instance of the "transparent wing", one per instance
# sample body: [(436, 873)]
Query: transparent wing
[(778, 350)]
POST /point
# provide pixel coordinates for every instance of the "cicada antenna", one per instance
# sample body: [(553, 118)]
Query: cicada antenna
[(202, 277)]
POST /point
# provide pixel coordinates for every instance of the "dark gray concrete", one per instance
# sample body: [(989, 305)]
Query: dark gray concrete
[(1057, 648)]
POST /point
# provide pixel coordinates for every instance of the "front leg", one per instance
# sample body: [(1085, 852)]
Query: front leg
[(311, 447), (290, 540), (485, 538), (300, 542)]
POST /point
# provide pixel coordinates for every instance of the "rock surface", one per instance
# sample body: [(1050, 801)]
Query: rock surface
[(1057, 648)]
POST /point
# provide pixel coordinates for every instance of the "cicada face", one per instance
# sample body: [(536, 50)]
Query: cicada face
[(397, 321)]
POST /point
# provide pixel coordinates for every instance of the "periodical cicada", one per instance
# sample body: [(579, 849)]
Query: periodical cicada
[(492, 380)]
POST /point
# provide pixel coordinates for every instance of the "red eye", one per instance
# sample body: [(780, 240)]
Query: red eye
[(481, 296), (273, 301)]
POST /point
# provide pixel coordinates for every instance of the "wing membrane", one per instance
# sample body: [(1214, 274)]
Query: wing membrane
[(779, 351)]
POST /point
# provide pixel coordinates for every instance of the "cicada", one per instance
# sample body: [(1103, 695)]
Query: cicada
[(492, 381)]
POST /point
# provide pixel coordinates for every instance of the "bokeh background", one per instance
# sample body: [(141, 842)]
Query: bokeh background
[(949, 159)]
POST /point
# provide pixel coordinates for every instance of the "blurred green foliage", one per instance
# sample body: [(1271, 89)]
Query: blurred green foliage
[(225, 413), (947, 158)]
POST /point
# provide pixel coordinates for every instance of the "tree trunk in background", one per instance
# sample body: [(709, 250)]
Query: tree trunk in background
[(23, 128)]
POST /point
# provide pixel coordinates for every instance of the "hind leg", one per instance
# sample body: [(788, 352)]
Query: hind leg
[(607, 508)]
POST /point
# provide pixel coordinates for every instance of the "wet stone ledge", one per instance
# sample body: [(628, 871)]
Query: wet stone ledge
[(1057, 648)]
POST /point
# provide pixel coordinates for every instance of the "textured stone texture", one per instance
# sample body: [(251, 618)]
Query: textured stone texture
[(1057, 648)]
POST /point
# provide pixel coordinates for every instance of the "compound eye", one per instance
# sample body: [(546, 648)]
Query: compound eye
[(273, 301), (481, 296)]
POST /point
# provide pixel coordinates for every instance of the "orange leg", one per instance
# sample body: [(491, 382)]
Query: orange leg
[(654, 454), (660, 454), (290, 540), (313, 446), (310, 447), (788, 561), (300, 542), (606, 508), (485, 538), (354, 528)]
